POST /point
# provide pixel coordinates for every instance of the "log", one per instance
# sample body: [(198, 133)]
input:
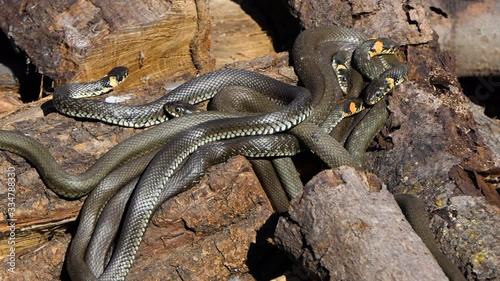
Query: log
[(236, 35), (345, 227), (78, 40), (489, 130), (459, 24)]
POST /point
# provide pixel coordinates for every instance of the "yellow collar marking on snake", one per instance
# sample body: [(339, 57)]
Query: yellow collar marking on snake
[(353, 108), (390, 82), (113, 82), (377, 48), (341, 67)]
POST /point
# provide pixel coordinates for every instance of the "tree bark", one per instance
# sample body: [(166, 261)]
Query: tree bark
[(470, 30), (77, 40)]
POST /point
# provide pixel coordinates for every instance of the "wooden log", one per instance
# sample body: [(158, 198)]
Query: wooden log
[(343, 227), (78, 40), (236, 36), (489, 130)]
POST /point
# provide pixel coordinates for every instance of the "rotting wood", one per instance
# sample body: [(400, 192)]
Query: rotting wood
[(77, 40), (343, 228)]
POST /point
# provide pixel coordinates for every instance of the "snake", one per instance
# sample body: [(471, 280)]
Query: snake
[(74, 186), (197, 90), (154, 113), (315, 138), (169, 158)]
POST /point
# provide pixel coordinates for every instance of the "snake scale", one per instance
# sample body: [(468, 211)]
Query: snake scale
[(199, 134)]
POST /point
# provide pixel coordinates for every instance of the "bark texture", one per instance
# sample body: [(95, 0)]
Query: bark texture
[(72, 40), (471, 30), (343, 227)]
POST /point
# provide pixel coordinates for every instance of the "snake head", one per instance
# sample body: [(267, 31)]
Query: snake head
[(343, 77), (119, 73), (385, 83), (176, 109), (377, 89), (116, 76), (341, 66), (352, 106)]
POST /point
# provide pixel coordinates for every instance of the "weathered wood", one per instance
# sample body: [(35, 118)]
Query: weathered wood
[(9, 88), (468, 227), (43, 219), (77, 40), (449, 138), (489, 130), (235, 34), (343, 227)]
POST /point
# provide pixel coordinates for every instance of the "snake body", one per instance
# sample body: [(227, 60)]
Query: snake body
[(159, 179), (414, 211), (309, 51), (169, 158), (235, 99), (73, 186), (197, 90), (161, 169)]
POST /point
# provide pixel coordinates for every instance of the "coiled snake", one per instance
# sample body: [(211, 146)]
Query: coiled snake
[(171, 144)]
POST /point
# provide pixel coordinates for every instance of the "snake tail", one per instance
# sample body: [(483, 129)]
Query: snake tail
[(414, 211)]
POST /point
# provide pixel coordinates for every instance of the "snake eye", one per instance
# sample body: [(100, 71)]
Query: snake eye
[(375, 97), (375, 92)]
